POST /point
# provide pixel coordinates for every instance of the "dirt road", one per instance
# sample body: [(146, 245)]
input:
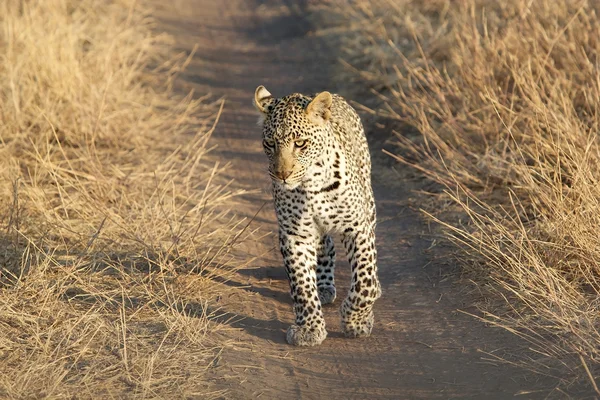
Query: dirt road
[(421, 346)]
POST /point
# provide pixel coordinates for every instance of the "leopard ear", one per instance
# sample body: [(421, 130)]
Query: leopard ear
[(319, 109), (262, 99)]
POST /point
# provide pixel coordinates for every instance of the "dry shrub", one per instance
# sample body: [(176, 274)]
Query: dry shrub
[(505, 96), (114, 225)]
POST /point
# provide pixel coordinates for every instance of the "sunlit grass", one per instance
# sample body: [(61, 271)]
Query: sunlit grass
[(113, 222)]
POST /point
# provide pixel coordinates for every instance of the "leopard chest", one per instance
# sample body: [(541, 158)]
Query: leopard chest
[(334, 210)]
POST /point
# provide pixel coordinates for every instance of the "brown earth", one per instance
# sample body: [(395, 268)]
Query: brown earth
[(422, 346)]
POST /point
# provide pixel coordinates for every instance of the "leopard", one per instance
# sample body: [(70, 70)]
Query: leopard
[(320, 170)]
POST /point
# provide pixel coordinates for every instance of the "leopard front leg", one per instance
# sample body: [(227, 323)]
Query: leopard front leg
[(300, 258), (357, 308), (325, 270)]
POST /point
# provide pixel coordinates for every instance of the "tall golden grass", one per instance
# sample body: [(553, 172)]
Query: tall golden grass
[(505, 97), (113, 223)]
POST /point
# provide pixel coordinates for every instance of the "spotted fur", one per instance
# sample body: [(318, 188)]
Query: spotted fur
[(320, 168)]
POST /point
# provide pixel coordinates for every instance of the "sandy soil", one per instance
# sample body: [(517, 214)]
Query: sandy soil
[(422, 346)]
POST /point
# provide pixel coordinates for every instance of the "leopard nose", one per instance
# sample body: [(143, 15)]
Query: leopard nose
[(283, 175)]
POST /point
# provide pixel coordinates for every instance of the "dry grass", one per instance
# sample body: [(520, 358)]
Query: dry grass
[(113, 225), (505, 97)]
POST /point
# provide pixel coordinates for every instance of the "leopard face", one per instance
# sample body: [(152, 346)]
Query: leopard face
[(294, 128)]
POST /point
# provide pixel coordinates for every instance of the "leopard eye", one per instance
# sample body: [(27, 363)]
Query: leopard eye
[(300, 143), (269, 143)]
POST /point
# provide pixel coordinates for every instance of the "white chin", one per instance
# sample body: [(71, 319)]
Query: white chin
[(288, 185)]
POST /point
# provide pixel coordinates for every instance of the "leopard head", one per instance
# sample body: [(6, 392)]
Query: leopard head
[(294, 128)]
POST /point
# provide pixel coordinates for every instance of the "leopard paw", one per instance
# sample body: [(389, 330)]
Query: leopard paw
[(326, 294), (306, 336)]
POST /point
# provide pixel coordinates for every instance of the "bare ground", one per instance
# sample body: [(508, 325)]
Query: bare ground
[(422, 346)]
